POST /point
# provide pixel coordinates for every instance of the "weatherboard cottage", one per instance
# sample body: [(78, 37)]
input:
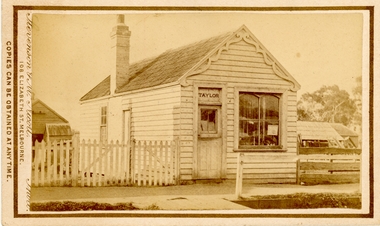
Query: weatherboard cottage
[(218, 96)]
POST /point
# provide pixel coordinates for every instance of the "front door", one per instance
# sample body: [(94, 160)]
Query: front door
[(209, 146), (126, 126)]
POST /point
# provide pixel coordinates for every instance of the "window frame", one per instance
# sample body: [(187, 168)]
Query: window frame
[(217, 121), (282, 142), (103, 126)]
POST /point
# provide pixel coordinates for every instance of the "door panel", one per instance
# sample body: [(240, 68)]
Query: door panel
[(209, 146), (127, 126), (209, 156)]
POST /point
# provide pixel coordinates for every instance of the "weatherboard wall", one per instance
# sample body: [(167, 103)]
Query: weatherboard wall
[(90, 113), (154, 113), (240, 68), (42, 115)]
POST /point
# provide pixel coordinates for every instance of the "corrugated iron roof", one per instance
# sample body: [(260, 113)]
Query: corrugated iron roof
[(59, 129), (317, 131), (165, 68), (343, 130)]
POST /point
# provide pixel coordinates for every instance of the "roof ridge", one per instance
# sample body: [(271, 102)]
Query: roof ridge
[(50, 109)]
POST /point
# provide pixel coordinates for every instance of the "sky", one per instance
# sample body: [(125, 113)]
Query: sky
[(71, 52)]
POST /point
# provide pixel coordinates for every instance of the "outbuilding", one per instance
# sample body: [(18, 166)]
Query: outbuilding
[(218, 96), (47, 124)]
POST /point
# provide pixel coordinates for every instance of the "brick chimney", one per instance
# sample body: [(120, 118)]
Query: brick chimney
[(120, 36)]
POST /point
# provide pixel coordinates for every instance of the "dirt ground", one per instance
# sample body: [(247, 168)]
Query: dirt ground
[(190, 197)]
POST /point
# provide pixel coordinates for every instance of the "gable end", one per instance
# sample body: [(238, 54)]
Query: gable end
[(242, 34)]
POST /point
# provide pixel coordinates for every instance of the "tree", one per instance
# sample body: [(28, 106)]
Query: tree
[(357, 91), (328, 104)]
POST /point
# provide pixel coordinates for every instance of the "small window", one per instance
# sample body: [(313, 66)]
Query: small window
[(258, 120), (208, 121), (103, 125)]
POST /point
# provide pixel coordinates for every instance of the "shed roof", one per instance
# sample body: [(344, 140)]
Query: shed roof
[(317, 131), (63, 129), (173, 65), (343, 130)]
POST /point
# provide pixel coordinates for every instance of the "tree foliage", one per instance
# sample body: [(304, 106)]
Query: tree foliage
[(328, 104), (357, 91)]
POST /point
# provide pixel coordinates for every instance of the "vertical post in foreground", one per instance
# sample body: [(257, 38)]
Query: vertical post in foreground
[(178, 177), (239, 175), (75, 161), (298, 172)]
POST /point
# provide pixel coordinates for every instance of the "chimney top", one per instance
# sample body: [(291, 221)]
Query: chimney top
[(120, 36), (120, 19)]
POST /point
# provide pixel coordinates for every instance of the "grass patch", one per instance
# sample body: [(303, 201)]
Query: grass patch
[(80, 206), (152, 207), (304, 201)]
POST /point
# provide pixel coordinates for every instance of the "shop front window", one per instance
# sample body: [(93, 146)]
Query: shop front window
[(258, 120)]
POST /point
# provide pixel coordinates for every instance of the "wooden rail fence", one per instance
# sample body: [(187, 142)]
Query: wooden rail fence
[(328, 165), (314, 165), (74, 163), (245, 158)]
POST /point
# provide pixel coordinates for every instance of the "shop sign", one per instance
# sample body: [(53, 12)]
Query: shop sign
[(209, 95)]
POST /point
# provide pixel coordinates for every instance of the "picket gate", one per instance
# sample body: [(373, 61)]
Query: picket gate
[(89, 163)]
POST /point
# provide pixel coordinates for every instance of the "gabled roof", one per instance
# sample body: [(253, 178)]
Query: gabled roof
[(317, 131), (36, 101), (165, 68), (174, 65)]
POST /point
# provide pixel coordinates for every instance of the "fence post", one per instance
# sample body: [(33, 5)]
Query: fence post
[(239, 175), (131, 168), (155, 155), (55, 160), (48, 164), (161, 167), (172, 159), (149, 152), (101, 159), (298, 179), (61, 163), (138, 169), (177, 160), (82, 162), (36, 162), (67, 161), (75, 161), (43, 152), (166, 162)]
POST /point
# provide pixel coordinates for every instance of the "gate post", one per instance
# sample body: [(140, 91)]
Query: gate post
[(177, 160), (132, 161), (239, 175), (75, 160), (298, 171)]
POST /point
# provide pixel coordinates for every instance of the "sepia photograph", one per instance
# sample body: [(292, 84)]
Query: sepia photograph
[(191, 113)]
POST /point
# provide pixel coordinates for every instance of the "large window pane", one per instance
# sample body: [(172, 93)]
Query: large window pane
[(248, 106), (258, 120), (269, 107)]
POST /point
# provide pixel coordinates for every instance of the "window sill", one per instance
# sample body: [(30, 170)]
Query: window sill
[(260, 150), (212, 135)]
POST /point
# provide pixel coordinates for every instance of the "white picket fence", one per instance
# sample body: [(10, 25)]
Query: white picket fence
[(88, 163)]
